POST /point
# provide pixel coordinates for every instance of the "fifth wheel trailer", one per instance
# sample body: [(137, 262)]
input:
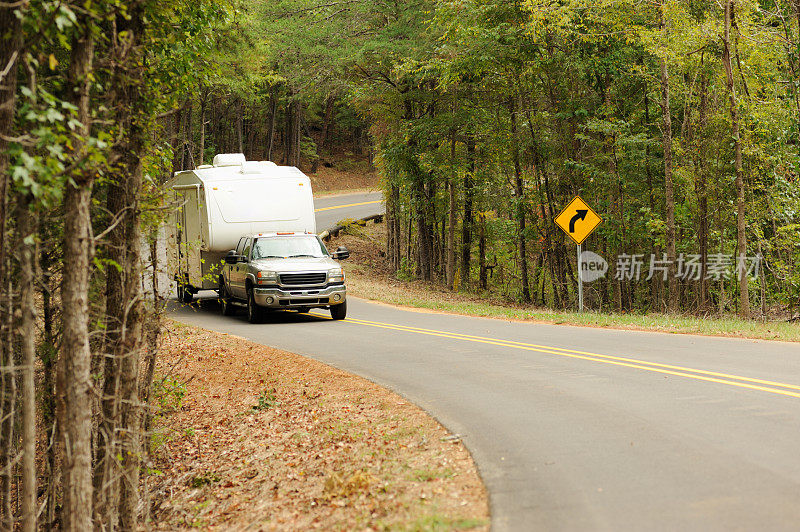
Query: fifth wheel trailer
[(216, 204)]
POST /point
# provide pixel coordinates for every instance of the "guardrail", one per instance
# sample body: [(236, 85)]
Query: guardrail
[(334, 231)]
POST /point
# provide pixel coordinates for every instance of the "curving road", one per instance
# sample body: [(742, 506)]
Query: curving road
[(580, 428), (332, 209)]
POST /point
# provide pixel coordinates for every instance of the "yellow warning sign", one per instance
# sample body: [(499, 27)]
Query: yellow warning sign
[(578, 220)]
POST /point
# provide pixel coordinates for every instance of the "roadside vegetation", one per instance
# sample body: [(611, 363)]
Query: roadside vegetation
[(370, 276), (252, 436)]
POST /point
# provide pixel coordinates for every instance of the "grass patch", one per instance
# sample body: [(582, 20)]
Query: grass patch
[(431, 523), (266, 400), (344, 191), (428, 475), (205, 479)]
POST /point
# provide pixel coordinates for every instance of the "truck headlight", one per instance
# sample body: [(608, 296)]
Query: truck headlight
[(336, 275), (265, 277)]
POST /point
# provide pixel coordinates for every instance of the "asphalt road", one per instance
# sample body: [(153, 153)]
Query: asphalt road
[(332, 209), (580, 428)]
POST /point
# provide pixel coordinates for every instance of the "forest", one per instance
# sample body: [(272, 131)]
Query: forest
[(678, 121)]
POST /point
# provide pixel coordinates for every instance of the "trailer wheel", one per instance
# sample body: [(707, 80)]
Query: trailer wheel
[(225, 301), (184, 294), (255, 314)]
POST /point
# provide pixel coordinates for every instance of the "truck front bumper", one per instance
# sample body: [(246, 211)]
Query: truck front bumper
[(276, 298)]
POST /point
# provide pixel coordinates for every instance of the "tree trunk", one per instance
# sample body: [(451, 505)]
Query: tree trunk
[(272, 117), (74, 384), (482, 270), (796, 66), (178, 139), (669, 191), (288, 135), (188, 162), (9, 403), (519, 200), (451, 216), (240, 126), (466, 222), (424, 236), (252, 136), (741, 237), (26, 231), (48, 394), (9, 54), (323, 140), (656, 282), (201, 149), (393, 242), (124, 301), (296, 133), (702, 195)]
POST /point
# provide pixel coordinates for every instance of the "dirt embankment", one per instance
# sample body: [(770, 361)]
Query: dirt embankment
[(262, 439), (329, 180)]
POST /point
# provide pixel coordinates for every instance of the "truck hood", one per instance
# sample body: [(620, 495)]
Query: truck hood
[(299, 264)]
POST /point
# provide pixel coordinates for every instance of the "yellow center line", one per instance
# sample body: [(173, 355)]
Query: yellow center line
[(348, 205), (679, 371)]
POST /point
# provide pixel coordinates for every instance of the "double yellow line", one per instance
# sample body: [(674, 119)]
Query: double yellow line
[(348, 205), (779, 388)]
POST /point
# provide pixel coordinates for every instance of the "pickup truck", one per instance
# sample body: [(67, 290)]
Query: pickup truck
[(273, 271)]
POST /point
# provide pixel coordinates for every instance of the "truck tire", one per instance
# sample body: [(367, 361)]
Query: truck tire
[(225, 303), (339, 312), (184, 294), (255, 314)]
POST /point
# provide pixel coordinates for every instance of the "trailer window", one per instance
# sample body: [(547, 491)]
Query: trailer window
[(282, 247)]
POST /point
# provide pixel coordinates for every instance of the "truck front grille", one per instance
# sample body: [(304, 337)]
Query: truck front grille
[(302, 279)]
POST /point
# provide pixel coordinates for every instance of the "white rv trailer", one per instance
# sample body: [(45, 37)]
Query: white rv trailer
[(217, 204)]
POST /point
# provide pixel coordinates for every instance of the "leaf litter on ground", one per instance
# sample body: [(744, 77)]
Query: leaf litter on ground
[(269, 440)]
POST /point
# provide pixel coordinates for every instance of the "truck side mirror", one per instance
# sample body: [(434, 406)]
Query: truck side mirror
[(341, 253), (231, 257)]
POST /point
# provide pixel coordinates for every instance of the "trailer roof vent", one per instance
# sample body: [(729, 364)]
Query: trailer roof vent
[(229, 159), (252, 167)]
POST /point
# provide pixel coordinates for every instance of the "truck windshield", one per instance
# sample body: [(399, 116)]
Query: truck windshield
[(292, 246)]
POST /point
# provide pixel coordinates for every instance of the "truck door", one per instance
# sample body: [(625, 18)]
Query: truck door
[(238, 275), (228, 271)]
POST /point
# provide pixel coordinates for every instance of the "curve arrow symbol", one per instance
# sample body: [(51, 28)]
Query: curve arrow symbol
[(581, 215)]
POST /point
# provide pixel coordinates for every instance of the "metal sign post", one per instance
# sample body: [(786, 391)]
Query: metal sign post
[(580, 280), (578, 220)]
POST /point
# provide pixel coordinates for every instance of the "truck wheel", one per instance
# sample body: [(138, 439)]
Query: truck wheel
[(225, 301), (255, 314), (184, 295), (339, 312)]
